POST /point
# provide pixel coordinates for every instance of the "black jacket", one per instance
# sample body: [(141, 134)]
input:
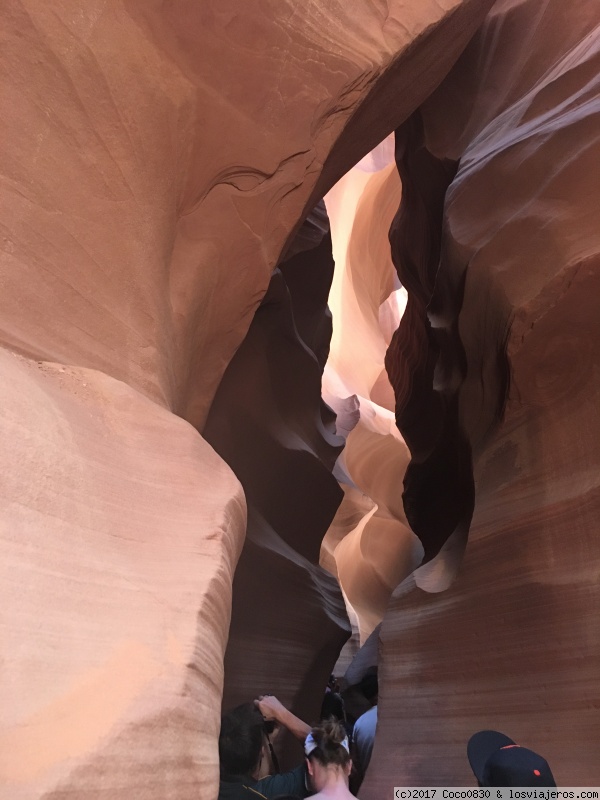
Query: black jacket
[(241, 787)]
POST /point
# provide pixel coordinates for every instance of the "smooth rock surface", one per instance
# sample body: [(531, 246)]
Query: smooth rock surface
[(269, 423), (514, 643), (157, 161), (163, 154), (116, 568), (369, 545)]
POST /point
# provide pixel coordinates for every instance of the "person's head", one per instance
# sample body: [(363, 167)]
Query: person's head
[(333, 706), (497, 761), (241, 740), (369, 685), (327, 754)]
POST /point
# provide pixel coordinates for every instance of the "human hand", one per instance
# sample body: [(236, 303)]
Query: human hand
[(270, 707)]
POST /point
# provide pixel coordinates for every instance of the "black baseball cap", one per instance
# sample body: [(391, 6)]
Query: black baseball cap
[(497, 761)]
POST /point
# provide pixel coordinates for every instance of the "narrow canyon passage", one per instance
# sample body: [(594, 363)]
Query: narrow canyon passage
[(269, 423), (400, 536), (209, 483)]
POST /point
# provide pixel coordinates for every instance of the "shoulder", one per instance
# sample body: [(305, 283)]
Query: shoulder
[(238, 790), (367, 723), (292, 782)]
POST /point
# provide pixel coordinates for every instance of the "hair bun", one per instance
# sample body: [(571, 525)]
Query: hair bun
[(330, 743)]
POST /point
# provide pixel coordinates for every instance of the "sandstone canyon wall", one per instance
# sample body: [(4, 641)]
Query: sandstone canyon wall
[(369, 545), (514, 643), (117, 558), (269, 423), (158, 159)]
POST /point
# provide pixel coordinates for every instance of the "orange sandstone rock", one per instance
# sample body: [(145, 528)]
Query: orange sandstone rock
[(369, 545), (121, 528), (514, 643), (159, 157), (163, 154)]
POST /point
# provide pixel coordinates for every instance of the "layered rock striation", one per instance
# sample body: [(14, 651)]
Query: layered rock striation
[(513, 644), (159, 160), (114, 613), (269, 423), (369, 545)]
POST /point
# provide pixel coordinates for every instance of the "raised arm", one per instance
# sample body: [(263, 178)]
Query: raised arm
[(271, 708)]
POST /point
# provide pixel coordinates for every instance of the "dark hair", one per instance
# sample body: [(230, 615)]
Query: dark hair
[(240, 740), (328, 737), (369, 684), (333, 706)]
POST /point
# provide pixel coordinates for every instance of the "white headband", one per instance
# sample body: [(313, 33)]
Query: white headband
[(310, 744)]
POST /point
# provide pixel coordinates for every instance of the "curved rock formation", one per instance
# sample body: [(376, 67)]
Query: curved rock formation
[(514, 644), (114, 613), (142, 124), (369, 545), (269, 423), (160, 157), (426, 363)]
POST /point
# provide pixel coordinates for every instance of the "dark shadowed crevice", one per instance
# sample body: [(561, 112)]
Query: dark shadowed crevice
[(425, 360), (269, 423)]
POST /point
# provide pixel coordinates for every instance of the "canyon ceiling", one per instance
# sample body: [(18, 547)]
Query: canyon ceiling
[(180, 509)]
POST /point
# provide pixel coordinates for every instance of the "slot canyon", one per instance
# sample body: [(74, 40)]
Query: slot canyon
[(300, 355)]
